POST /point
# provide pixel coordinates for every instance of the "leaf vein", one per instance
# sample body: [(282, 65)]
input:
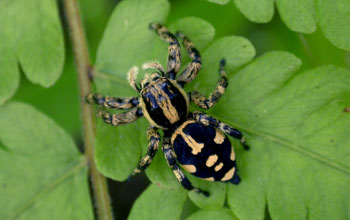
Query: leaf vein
[(296, 148), (49, 188)]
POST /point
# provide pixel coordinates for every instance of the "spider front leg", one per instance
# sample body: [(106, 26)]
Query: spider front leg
[(193, 68), (120, 119), (174, 55), (110, 102), (208, 120), (153, 143), (200, 100), (180, 176)]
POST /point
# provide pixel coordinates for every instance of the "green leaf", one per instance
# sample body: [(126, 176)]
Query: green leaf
[(127, 32), (302, 15), (334, 17), (237, 51), (160, 173), (259, 11), (42, 174), (298, 15), (9, 74), (118, 150), (32, 30), (158, 203), (52, 100), (216, 190), (220, 2), (222, 214), (297, 127), (201, 32)]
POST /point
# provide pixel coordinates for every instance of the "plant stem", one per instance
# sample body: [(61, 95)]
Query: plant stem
[(77, 35)]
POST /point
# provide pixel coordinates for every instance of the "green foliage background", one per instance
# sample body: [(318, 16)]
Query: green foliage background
[(289, 90)]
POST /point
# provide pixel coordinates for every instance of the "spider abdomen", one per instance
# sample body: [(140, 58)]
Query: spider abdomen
[(205, 152), (164, 103)]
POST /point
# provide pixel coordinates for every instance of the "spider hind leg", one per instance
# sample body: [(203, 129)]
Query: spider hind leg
[(235, 179), (180, 176), (208, 120)]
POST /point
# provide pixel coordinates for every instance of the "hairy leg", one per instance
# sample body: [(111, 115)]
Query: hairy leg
[(120, 119), (200, 100), (180, 176), (112, 102), (132, 74), (153, 143), (174, 55), (208, 120), (154, 65), (193, 68)]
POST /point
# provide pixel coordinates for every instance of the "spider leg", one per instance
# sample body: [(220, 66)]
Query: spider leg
[(110, 102), (192, 69), (200, 100), (153, 138), (180, 176), (174, 55), (208, 120), (120, 119), (132, 74), (154, 65)]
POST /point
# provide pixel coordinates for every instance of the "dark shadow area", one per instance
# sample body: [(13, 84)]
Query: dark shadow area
[(124, 194)]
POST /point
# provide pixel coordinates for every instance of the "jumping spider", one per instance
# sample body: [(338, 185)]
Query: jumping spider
[(194, 140)]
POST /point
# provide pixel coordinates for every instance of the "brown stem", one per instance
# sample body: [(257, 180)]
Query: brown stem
[(100, 189)]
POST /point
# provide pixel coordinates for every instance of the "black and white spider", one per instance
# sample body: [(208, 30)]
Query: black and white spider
[(195, 140)]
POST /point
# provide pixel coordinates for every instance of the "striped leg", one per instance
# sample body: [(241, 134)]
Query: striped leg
[(112, 102), (153, 138), (200, 100), (180, 176), (208, 120), (174, 55), (120, 119), (132, 74), (154, 65), (193, 68)]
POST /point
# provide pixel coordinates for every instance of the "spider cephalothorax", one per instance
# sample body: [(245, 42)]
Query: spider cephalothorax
[(195, 140), (164, 103)]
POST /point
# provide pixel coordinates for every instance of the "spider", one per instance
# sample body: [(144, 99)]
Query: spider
[(195, 140)]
